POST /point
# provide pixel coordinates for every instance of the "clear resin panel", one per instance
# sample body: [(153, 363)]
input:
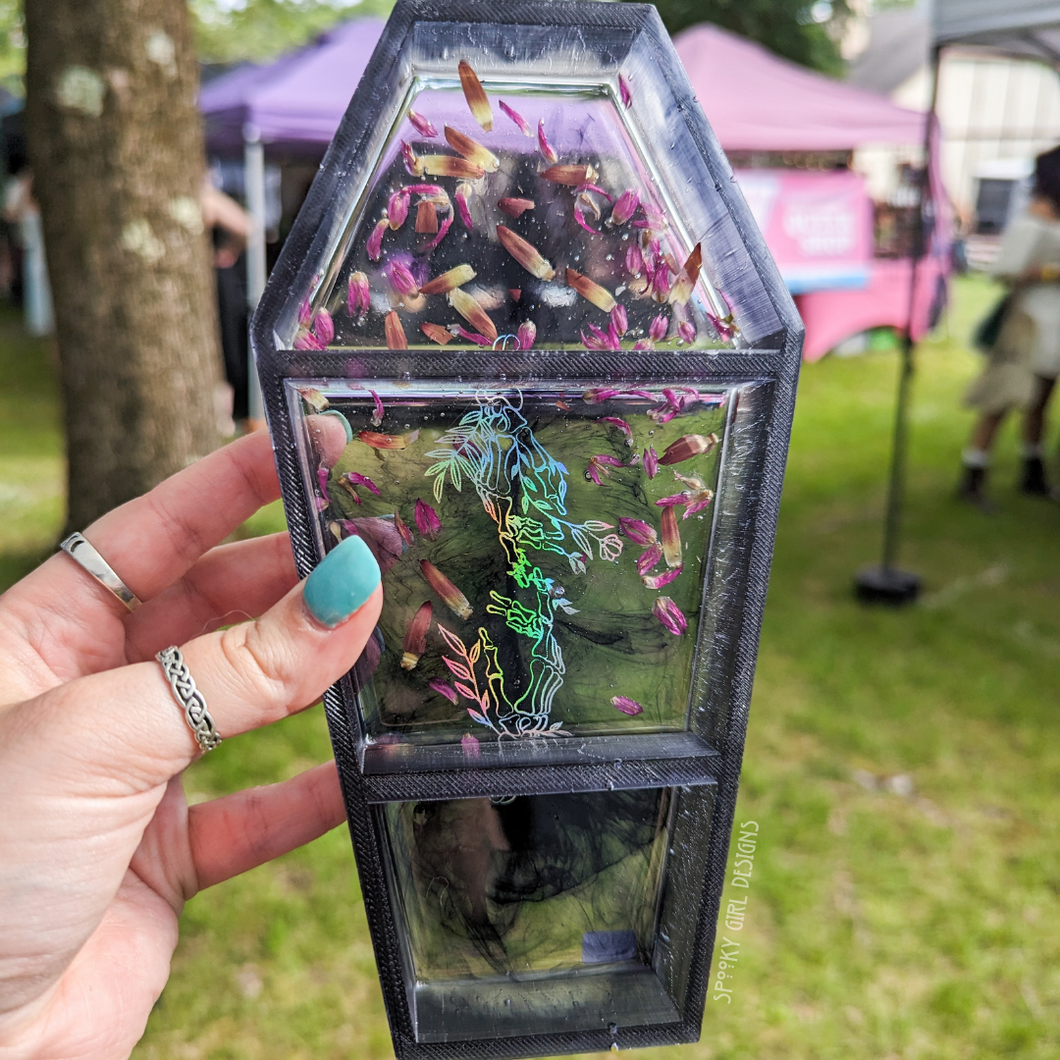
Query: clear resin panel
[(562, 234), (543, 549), (520, 911)]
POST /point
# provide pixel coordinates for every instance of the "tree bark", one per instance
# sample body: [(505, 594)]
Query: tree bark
[(115, 144)]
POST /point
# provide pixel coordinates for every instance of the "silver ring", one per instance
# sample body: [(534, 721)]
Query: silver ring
[(88, 559), (188, 697)]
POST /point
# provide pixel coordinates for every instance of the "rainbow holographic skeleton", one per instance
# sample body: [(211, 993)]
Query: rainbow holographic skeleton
[(523, 490)]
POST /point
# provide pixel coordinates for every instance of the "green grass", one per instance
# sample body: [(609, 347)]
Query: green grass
[(909, 918)]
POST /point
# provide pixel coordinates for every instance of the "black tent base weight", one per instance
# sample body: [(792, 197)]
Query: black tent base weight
[(886, 585)]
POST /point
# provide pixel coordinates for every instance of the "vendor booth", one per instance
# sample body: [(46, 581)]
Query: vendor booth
[(791, 135)]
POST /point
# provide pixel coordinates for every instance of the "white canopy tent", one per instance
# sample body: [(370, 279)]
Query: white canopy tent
[(1028, 29)]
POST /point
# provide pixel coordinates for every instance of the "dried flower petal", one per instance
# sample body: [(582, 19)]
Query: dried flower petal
[(671, 538), (597, 395), (697, 500), (449, 166), (638, 531), (515, 207), (619, 319), (627, 705), (446, 225), (657, 581), (634, 260), (548, 152), (658, 328), (525, 334), (524, 125), (436, 333), (472, 150), (324, 327), (660, 284), (599, 340), (651, 461), (397, 208), (388, 441), (426, 218), (474, 336), (621, 425), (687, 330), (624, 92), (314, 398), (593, 292), (475, 95), (596, 189), (688, 277), (402, 529), (649, 559), (625, 206), (454, 599), (449, 280), (601, 464), (470, 743), (408, 156), (570, 175), (468, 307), (688, 446), (669, 614), (374, 246), (579, 218), (674, 499), (305, 312), (401, 279), (395, 333), (354, 478), (415, 643), (308, 341), (427, 521), (358, 295), (422, 125), (525, 253), (443, 689), (463, 194)]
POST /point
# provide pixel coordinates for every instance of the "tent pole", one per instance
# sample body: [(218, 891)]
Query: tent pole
[(254, 178), (887, 584)]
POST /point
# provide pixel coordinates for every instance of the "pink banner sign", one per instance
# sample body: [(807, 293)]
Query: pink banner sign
[(818, 226)]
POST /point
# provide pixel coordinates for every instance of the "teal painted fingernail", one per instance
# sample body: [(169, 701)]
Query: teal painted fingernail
[(341, 582), (345, 422)]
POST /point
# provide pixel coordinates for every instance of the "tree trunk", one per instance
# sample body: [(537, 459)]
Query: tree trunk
[(115, 144)]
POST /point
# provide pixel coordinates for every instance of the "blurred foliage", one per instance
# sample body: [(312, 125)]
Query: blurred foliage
[(228, 32), (12, 45), (805, 32)]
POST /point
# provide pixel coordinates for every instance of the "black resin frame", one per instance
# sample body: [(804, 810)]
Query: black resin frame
[(765, 367)]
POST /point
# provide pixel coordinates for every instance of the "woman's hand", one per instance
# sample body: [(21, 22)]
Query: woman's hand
[(98, 848)]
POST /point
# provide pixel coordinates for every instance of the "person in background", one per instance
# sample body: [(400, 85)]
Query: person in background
[(229, 227), (1024, 360)]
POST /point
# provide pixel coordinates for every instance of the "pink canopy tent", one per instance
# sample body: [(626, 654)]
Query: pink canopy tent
[(756, 101)]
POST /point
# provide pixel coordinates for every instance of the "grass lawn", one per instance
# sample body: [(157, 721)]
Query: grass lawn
[(903, 767)]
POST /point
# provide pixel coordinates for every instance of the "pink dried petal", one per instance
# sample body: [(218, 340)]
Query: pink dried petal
[(547, 150), (397, 208), (308, 341), (525, 334), (356, 479), (358, 295), (699, 500), (624, 92), (658, 581), (412, 163), (322, 480), (463, 193), (651, 461), (595, 188), (473, 336), (660, 284), (619, 319), (671, 538), (634, 260), (644, 344), (402, 529), (598, 340), (377, 414), (649, 559), (401, 279), (627, 705), (625, 206), (579, 217), (524, 125), (621, 425), (658, 328), (443, 689), (423, 126), (305, 313), (687, 330), (415, 643), (374, 246), (638, 531), (427, 521), (468, 742), (688, 446), (324, 327), (597, 395), (515, 207), (442, 230), (668, 502)]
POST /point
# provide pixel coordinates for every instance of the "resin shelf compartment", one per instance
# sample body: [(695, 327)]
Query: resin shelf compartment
[(525, 340)]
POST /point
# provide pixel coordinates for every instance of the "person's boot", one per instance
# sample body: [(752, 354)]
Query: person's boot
[(1033, 479), (972, 488)]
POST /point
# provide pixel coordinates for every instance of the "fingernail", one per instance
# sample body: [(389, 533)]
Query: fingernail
[(341, 582), (345, 422)]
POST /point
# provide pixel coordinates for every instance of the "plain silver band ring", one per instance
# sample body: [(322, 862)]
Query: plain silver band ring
[(81, 552), (188, 697)]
